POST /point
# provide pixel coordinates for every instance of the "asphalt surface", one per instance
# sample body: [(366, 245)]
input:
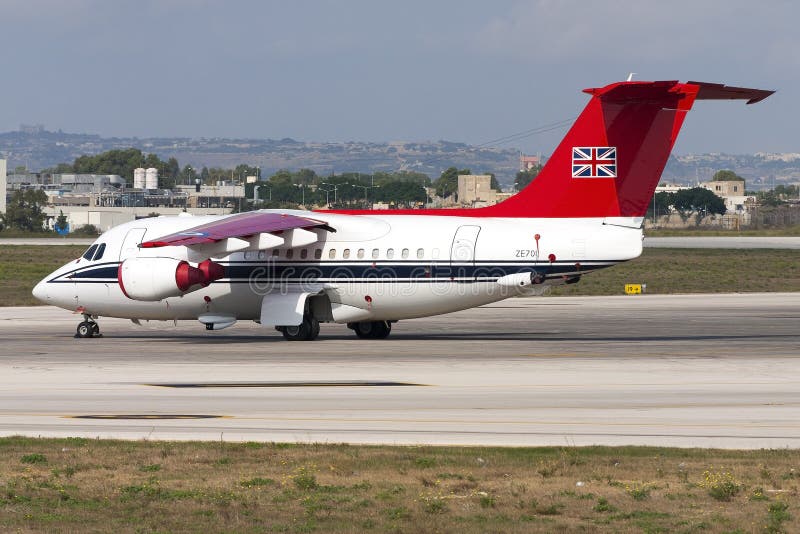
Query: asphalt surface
[(723, 242), (696, 370)]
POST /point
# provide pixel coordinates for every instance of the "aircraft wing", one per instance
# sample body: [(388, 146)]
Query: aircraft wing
[(252, 230)]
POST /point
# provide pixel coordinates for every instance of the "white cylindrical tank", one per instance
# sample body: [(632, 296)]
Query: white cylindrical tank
[(138, 178), (151, 178)]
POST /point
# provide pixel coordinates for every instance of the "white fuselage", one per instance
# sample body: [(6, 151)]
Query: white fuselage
[(374, 267)]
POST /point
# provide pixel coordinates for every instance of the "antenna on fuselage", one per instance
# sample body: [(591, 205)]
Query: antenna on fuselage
[(630, 77)]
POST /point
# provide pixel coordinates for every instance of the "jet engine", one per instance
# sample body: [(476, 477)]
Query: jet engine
[(152, 279)]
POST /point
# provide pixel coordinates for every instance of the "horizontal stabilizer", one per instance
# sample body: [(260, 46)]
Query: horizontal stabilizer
[(718, 91)]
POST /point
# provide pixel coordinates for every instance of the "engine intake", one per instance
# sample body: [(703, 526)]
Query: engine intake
[(152, 279)]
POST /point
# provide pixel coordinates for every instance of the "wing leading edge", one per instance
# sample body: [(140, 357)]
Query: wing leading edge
[(236, 226)]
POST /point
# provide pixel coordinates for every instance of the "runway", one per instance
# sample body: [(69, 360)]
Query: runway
[(682, 370), (735, 242)]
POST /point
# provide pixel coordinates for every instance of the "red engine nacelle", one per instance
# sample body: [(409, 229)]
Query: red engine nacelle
[(152, 279)]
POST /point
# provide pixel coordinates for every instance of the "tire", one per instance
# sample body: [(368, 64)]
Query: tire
[(85, 329), (95, 329), (314, 329), (381, 329), (363, 330), (372, 329), (308, 330)]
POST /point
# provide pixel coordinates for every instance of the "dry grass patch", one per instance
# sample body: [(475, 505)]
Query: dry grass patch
[(696, 271), (93, 485), (21, 267)]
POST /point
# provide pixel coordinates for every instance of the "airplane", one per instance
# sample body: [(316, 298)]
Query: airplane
[(292, 270)]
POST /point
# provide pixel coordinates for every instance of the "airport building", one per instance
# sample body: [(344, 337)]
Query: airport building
[(476, 190), (527, 163), (733, 193)]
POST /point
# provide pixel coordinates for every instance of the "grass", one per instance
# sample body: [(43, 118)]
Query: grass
[(663, 270), (100, 485), (21, 267), (696, 271)]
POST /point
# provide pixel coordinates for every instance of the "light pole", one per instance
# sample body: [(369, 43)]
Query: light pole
[(303, 192), (255, 192), (365, 188), (327, 193)]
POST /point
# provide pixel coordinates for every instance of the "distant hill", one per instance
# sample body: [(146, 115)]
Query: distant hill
[(37, 148)]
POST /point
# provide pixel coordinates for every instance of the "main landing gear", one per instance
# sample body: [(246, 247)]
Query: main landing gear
[(88, 328), (308, 330), (371, 329)]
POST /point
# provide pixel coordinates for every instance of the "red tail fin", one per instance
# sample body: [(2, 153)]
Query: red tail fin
[(611, 160)]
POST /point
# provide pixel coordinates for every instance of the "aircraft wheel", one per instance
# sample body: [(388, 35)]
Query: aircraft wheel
[(372, 329), (308, 330), (381, 329), (86, 329), (95, 329)]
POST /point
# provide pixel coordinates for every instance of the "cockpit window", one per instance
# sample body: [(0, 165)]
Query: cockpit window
[(89, 254), (100, 250)]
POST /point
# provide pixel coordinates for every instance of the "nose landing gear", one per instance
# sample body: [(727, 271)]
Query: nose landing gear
[(88, 328)]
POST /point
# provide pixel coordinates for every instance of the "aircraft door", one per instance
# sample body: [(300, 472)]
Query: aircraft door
[(462, 252), (130, 246)]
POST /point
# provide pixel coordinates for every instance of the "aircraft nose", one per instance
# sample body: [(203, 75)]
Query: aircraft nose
[(40, 291)]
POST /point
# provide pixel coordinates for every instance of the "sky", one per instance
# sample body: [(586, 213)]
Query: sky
[(372, 70)]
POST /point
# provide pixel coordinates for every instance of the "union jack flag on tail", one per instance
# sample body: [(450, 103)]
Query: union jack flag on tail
[(594, 162)]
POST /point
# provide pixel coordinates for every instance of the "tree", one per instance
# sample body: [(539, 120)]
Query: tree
[(661, 204), (61, 222), (187, 176), (525, 177), (698, 199), (401, 193), (24, 210), (447, 183)]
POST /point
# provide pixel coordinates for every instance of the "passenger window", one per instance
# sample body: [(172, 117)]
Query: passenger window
[(89, 254), (346, 253), (390, 253), (420, 253), (289, 254), (100, 250), (360, 253), (275, 252), (304, 254), (262, 255), (332, 254), (404, 254), (375, 253), (318, 254)]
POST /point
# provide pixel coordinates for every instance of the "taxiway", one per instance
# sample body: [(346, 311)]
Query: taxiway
[(682, 370)]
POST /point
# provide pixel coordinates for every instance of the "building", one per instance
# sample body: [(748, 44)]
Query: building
[(527, 163), (476, 190), (105, 218), (90, 183), (732, 192), (670, 188)]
